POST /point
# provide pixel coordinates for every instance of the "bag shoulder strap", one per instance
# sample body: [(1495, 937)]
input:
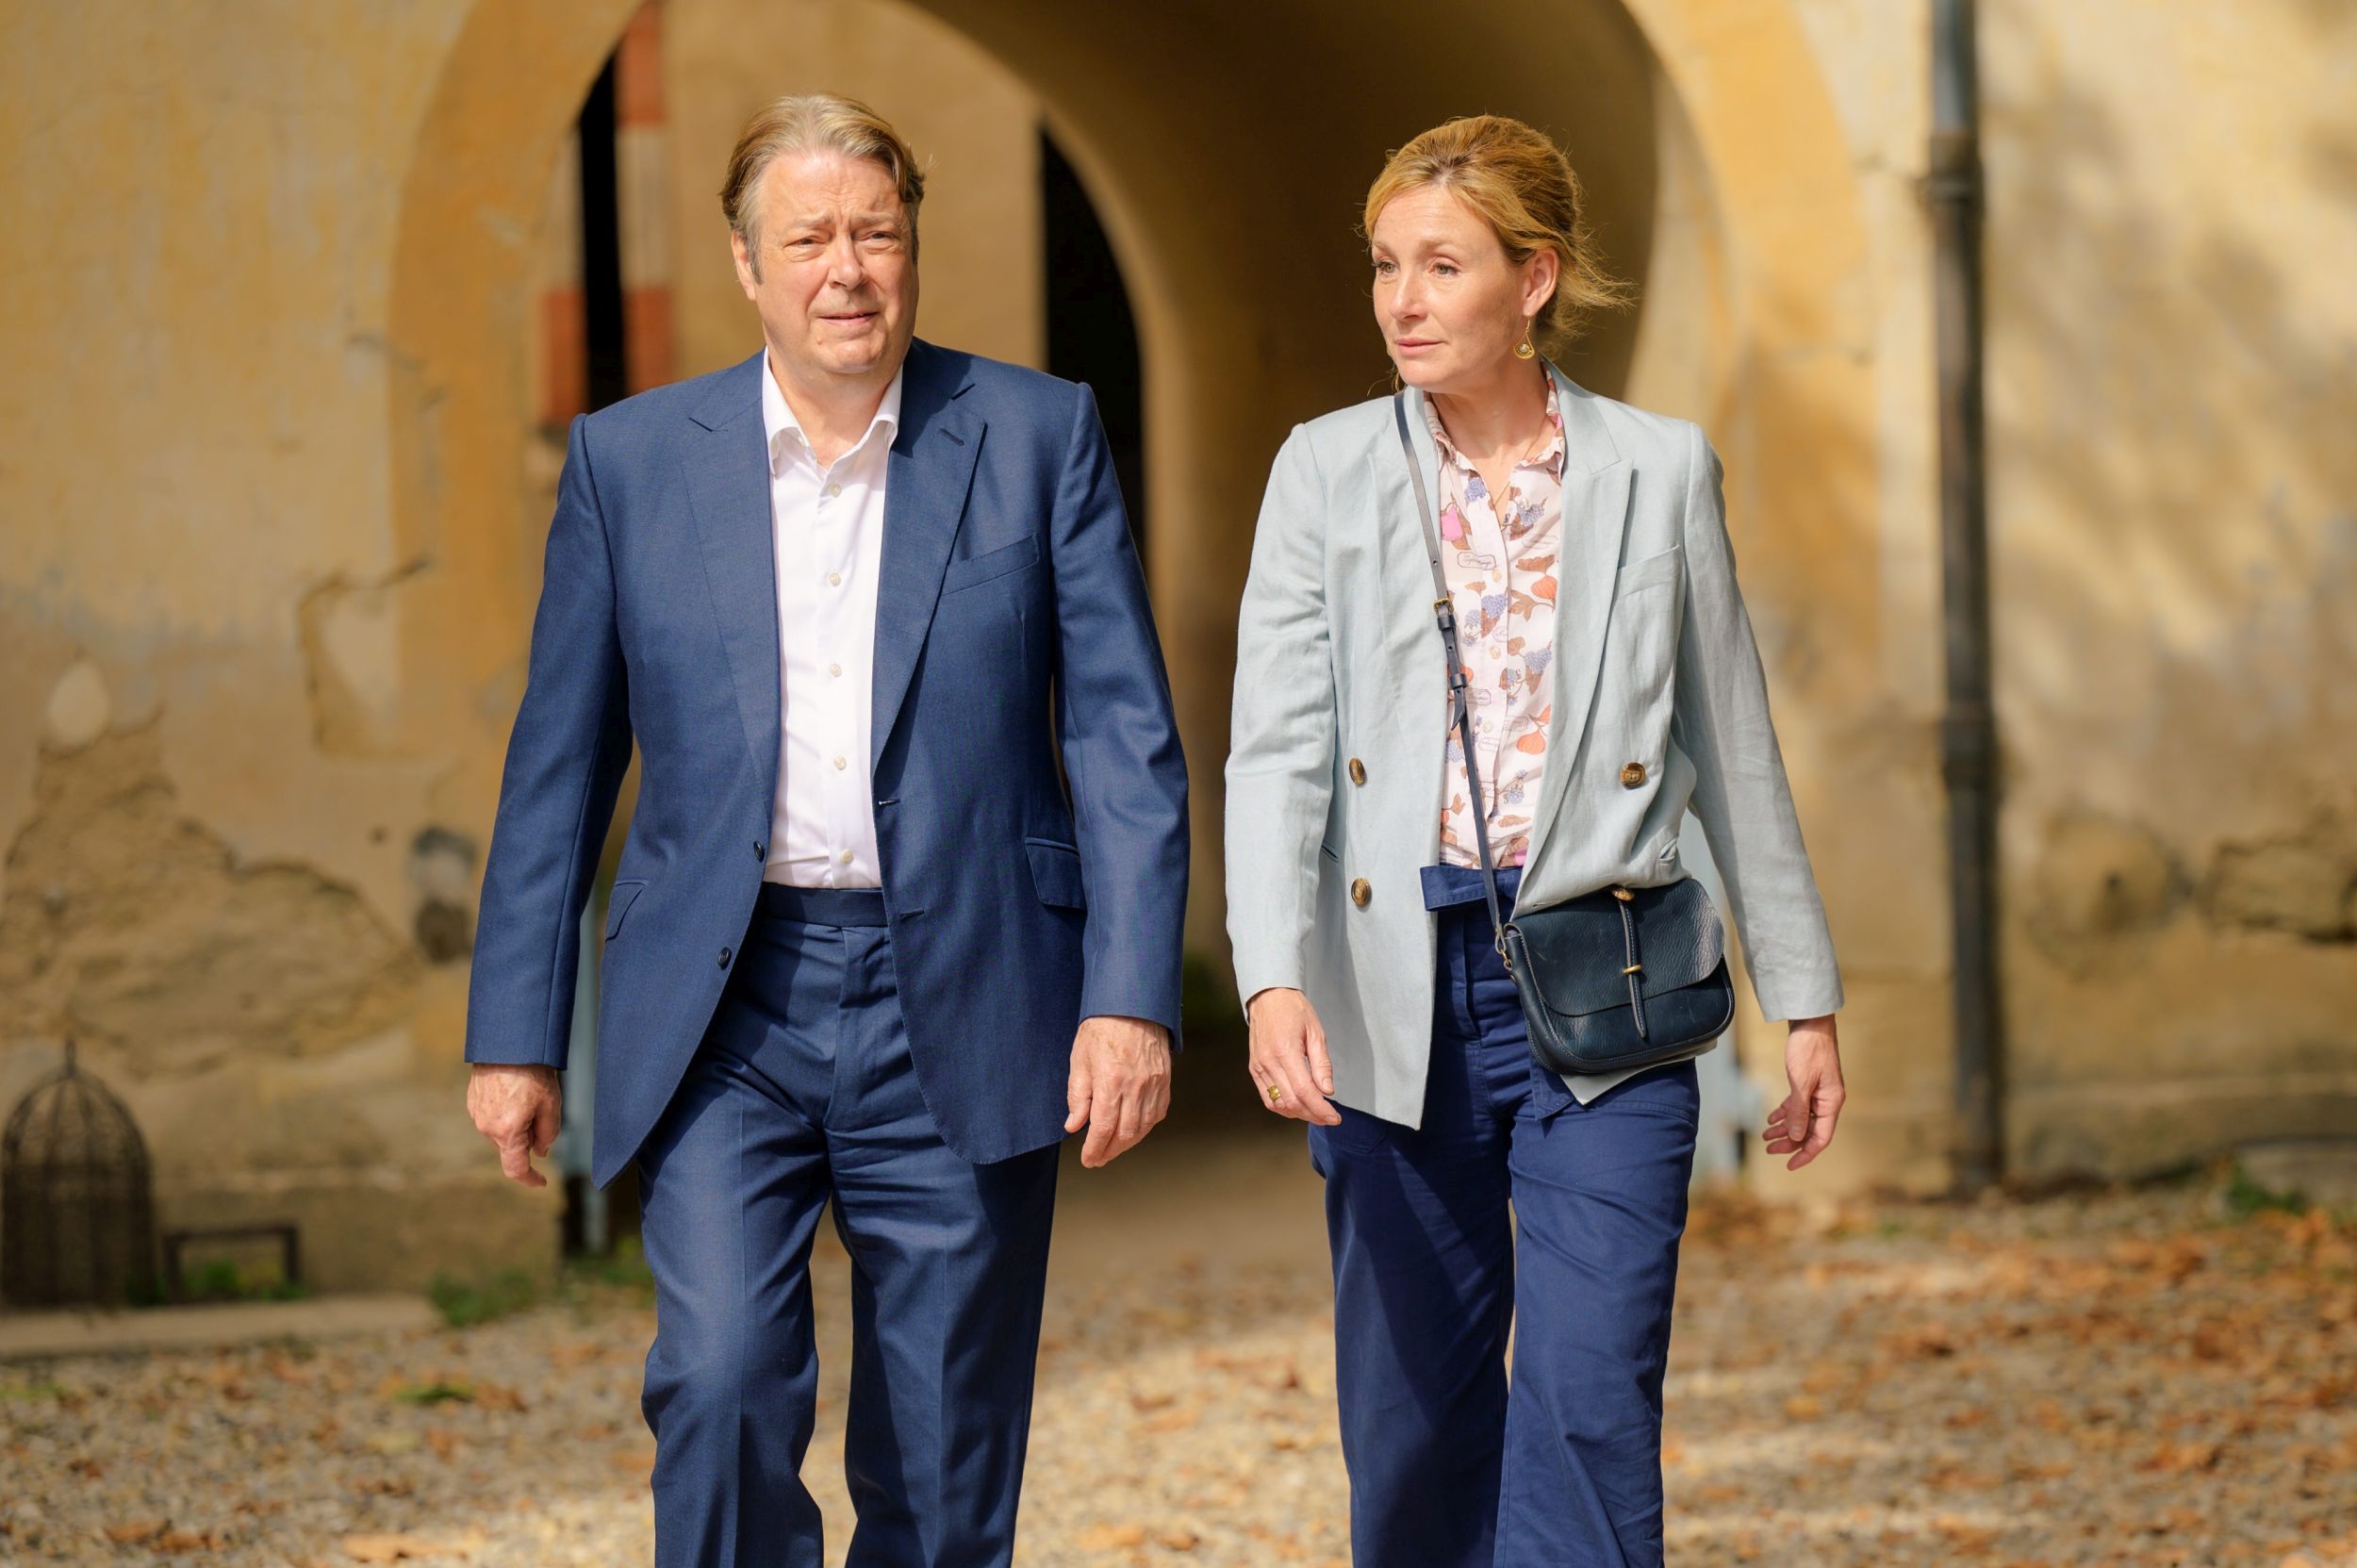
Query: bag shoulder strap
[(1460, 709)]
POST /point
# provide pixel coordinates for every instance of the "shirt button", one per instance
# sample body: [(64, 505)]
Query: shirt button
[(725, 955), (841, 763), (844, 857), (1361, 892), (834, 490), (835, 670), (834, 579)]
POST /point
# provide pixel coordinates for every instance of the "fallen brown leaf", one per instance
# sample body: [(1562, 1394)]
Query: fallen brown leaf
[(392, 1548), (188, 1540), (1109, 1538)]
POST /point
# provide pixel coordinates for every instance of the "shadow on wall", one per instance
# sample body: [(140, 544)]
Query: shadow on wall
[(2174, 544)]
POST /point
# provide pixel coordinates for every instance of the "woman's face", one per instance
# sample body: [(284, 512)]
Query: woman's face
[(1451, 306)]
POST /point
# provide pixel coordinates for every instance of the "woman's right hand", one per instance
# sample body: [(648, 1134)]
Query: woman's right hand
[(1291, 1071)]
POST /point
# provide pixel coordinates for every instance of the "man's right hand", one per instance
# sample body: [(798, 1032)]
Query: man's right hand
[(519, 1109), (1291, 1071)]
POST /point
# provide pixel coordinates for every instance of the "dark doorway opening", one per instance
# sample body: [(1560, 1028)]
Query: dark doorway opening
[(597, 1222), (605, 339), (1092, 337)]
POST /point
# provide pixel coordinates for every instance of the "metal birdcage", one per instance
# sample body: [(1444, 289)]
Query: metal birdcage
[(78, 1203)]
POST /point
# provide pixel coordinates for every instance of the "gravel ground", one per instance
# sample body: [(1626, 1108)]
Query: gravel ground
[(2116, 1378)]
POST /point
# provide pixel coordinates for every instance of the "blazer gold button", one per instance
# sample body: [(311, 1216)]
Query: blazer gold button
[(1633, 774), (1357, 771), (1361, 892)]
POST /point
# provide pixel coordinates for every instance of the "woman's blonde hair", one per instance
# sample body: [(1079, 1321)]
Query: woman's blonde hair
[(814, 122), (1523, 186)]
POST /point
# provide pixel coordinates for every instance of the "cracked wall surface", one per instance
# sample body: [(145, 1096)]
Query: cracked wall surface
[(134, 929), (223, 871)]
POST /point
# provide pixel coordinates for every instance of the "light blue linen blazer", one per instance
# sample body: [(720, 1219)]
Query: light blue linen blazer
[(1338, 660)]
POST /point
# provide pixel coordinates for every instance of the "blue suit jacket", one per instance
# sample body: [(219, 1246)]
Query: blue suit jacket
[(1012, 632)]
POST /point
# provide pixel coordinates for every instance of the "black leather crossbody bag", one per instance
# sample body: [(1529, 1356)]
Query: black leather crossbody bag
[(1622, 977)]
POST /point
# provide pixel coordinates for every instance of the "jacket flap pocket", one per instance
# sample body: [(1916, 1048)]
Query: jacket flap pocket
[(1646, 571), (1056, 872), (1578, 949), (990, 564), (624, 895)]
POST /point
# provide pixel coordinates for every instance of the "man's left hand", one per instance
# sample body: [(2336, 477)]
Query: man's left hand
[(1120, 1085)]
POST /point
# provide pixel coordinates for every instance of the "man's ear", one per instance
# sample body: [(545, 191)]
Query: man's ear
[(747, 274)]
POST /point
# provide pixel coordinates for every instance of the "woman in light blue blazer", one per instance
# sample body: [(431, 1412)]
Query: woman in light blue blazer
[(1615, 683)]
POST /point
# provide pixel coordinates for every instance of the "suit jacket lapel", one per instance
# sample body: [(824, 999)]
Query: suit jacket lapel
[(1595, 519), (728, 484), (927, 478), (1418, 661), (1416, 704)]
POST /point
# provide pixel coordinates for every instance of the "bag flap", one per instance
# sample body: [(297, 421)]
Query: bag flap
[(1575, 952)]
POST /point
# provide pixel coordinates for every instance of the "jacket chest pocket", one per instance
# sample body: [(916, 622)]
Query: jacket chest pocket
[(1641, 640), (1019, 557)]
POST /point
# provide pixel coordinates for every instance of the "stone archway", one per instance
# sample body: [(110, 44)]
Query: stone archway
[(1235, 235)]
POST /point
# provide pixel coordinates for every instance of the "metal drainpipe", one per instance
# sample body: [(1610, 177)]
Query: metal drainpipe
[(1967, 728)]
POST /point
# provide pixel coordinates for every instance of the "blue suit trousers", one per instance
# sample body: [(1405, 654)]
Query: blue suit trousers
[(802, 1092), (1557, 1220)]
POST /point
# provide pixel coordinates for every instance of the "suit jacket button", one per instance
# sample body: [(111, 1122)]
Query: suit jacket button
[(1633, 774), (761, 851), (1361, 892), (726, 954), (1357, 771)]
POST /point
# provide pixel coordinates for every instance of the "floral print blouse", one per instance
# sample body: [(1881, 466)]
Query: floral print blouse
[(1499, 560)]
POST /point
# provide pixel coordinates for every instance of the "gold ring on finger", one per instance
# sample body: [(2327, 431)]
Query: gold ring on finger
[(1275, 1093)]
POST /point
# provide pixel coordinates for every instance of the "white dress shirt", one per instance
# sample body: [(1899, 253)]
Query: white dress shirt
[(827, 529)]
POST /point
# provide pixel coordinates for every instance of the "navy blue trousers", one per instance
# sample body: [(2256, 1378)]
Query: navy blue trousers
[(802, 1090), (1513, 1206)]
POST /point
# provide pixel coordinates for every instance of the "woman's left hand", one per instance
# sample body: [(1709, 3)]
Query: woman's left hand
[(1812, 1064)]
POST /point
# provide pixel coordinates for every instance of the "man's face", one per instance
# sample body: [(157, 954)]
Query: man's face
[(836, 278)]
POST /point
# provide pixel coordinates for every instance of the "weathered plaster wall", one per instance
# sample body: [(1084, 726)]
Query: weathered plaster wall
[(223, 872), (2173, 353), (271, 518)]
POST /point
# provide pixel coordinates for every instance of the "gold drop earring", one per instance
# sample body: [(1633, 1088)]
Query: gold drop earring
[(1524, 350)]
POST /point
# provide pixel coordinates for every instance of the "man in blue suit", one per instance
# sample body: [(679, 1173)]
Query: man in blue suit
[(855, 600)]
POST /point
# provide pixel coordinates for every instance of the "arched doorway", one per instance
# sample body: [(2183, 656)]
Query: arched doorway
[(1235, 235)]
